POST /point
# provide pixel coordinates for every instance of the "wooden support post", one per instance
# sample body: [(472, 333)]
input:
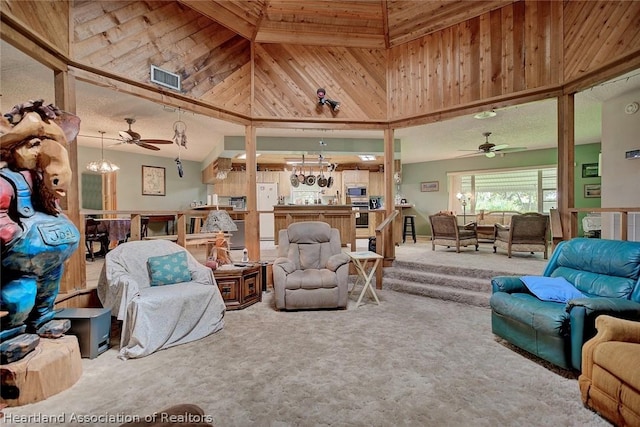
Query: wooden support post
[(252, 228), (566, 160)]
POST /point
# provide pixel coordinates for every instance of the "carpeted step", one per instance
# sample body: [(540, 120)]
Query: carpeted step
[(434, 278), (464, 296), (459, 270)]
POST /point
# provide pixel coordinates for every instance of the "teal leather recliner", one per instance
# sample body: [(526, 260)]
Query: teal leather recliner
[(606, 272)]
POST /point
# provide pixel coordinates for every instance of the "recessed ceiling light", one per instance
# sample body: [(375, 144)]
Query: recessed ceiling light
[(484, 115), (367, 157)]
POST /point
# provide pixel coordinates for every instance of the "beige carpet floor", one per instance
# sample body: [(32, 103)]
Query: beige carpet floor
[(411, 361)]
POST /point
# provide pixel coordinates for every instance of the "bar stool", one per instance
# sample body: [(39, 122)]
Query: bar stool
[(409, 223)]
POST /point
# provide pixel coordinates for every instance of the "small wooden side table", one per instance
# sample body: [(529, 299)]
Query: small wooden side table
[(361, 262), (240, 286)]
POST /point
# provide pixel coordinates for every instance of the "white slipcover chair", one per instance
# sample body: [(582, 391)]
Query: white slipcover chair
[(158, 317)]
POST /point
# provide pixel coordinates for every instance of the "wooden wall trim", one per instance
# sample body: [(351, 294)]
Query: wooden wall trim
[(540, 14), (30, 44), (151, 93)]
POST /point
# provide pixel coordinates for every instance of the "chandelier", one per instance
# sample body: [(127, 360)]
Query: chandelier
[(103, 165)]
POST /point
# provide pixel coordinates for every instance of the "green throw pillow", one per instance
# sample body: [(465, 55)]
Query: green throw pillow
[(168, 269)]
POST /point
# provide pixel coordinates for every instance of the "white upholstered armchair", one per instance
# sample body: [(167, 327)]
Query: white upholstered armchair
[(311, 270), (161, 293)]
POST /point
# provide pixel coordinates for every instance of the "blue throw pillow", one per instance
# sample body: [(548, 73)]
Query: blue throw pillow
[(556, 289), (168, 269)]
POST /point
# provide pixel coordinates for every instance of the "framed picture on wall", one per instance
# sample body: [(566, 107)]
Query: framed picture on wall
[(592, 190), (589, 170), (430, 186), (153, 181)]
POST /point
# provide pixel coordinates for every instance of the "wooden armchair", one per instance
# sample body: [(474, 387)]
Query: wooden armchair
[(528, 232), (445, 231)]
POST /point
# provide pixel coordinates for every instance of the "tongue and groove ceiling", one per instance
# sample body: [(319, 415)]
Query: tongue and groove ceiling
[(300, 44)]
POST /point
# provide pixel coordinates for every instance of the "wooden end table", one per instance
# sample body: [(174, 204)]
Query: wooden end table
[(361, 261), (240, 286)]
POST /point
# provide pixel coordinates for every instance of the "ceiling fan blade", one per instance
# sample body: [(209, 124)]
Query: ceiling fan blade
[(98, 137), (475, 153), (513, 149), (156, 141), (148, 146), (125, 136), (499, 147)]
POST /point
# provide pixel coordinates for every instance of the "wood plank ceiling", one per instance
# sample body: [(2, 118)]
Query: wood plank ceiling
[(350, 23)]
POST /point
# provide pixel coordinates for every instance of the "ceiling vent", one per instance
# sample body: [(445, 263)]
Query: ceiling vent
[(165, 78)]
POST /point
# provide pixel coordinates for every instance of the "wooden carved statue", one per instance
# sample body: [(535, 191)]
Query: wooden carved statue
[(35, 237)]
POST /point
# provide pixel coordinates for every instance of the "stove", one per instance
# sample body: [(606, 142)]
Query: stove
[(362, 205)]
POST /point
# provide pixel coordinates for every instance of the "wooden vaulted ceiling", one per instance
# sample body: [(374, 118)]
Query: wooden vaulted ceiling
[(355, 23)]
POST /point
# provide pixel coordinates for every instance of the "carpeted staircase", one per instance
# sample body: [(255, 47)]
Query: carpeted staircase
[(466, 285)]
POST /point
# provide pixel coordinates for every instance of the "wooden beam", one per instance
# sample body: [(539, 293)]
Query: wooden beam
[(74, 276), (566, 160), (150, 93), (252, 219), (389, 198)]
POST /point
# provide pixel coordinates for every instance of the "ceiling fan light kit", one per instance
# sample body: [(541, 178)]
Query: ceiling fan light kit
[(490, 149)]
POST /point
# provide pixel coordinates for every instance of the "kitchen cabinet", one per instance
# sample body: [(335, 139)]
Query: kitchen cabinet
[(341, 217), (233, 185), (268, 177), (376, 184), (357, 177), (284, 183)]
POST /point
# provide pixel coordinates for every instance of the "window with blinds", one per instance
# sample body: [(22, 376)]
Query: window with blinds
[(527, 190)]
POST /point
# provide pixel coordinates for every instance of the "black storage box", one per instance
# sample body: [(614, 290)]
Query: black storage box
[(92, 326)]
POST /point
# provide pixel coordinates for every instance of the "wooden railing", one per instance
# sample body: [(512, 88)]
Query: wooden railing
[(624, 222), (180, 221), (382, 235)]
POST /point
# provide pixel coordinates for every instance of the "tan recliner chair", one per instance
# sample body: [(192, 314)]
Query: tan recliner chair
[(610, 379), (311, 270)]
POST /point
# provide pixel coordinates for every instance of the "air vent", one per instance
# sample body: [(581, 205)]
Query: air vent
[(165, 78)]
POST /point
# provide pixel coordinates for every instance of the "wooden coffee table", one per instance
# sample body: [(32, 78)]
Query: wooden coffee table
[(240, 286)]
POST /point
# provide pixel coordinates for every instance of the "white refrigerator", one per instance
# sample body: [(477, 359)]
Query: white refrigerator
[(267, 197)]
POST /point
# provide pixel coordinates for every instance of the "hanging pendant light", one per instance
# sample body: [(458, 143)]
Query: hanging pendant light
[(103, 165)]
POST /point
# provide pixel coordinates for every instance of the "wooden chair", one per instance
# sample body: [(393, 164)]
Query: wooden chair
[(528, 232), (445, 231), (94, 232)]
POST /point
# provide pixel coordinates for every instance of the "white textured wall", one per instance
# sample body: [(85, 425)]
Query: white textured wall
[(620, 177)]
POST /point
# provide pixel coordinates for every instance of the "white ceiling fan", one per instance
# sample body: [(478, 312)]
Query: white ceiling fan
[(490, 149)]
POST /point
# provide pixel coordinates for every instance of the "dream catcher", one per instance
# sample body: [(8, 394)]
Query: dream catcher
[(180, 131), (180, 138)]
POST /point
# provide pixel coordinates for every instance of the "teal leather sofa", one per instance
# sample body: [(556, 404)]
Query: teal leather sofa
[(606, 272)]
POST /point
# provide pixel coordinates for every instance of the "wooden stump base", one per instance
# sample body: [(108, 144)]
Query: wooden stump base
[(54, 366)]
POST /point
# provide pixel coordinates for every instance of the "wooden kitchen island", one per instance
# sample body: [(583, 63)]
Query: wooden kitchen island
[(341, 217)]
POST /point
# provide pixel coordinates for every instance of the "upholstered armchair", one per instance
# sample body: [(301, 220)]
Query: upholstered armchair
[(610, 380), (445, 231), (161, 293), (311, 270), (528, 232)]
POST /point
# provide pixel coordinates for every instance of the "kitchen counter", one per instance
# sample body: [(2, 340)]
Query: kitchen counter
[(341, 217)]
